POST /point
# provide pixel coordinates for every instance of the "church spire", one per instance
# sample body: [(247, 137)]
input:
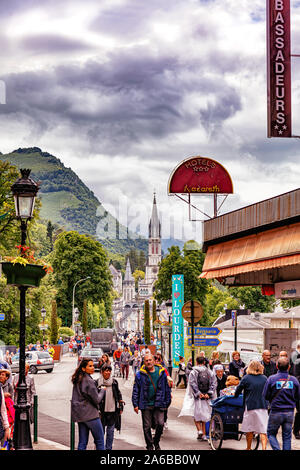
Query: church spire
[(128, 273), (154, 225)]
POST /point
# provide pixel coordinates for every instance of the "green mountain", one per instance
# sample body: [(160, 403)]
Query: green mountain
[(68, 202)]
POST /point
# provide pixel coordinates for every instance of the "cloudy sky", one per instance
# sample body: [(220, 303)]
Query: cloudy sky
[(123, 90)]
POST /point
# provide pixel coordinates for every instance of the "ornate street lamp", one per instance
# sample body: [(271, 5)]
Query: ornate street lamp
[(24, 191), (169, 310), (73, 300)]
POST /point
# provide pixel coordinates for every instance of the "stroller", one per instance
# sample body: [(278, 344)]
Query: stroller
[(117, 368), (227, 414)]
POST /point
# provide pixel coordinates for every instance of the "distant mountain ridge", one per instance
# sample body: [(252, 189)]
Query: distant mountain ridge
[(67, 201)]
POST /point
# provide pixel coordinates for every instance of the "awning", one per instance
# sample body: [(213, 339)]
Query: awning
[(266, 250)]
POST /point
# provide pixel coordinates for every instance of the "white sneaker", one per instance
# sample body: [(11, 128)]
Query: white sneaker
[(200, 435), (166, 426)]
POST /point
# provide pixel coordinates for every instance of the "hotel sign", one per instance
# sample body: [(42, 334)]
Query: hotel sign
[(287, 290), (200, 175), (279, 68)]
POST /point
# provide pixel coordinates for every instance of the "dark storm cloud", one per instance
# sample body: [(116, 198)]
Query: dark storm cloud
[(132, 97), (50, 43)]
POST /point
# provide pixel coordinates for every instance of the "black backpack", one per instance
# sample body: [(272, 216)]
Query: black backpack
[(203, 380)]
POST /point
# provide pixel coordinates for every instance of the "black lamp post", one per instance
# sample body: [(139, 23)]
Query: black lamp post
[(169, 310), (43, 313), (158, 310), (24, 191)]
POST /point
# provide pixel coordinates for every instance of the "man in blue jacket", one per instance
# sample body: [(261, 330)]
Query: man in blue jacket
[(152, 395), (282, 391)]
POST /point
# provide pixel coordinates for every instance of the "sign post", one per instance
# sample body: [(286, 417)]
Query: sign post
[(192, 312)]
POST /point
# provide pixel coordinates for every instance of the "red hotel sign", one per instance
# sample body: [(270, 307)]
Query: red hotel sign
[(279, 68), (200, 175)]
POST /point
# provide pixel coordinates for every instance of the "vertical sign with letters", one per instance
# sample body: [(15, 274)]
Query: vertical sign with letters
[(177, 319), (279, 68)]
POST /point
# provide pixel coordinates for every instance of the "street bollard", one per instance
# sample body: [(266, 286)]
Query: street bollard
[(72, 437), (35, 419)]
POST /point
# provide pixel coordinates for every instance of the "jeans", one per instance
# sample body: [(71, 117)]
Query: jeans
[(95, 426), (152, 416), (285, 420), (125, 369), (109, 431)]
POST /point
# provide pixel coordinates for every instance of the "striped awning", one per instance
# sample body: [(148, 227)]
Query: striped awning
[(265, 250)]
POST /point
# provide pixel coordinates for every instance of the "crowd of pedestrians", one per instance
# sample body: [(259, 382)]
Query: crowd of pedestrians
[(270, 390), (9, 397)]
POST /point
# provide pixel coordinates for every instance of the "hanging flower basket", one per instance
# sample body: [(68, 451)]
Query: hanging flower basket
[(23, 274)]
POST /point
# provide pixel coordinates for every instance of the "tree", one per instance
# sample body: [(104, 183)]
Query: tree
[(189, 263), (216, 302), (253, 299), (138, 275), (50, 230), (147, 331), (9, 227), (54, 324), (76, 257)]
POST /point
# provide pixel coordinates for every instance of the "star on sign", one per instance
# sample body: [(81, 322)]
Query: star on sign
[(280, 132), (276, 127)]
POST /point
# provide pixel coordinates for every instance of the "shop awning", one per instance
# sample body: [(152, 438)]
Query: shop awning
[(266, 250)]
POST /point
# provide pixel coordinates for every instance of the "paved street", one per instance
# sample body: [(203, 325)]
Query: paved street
[(54, 392)]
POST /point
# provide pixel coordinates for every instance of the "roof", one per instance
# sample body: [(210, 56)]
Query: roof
[(276, 248), (264, 215), (128, 274), (114, 271), (287, 314), (154, 225)]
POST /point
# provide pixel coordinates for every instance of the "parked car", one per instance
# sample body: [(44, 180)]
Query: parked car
[(37, 360), (94, 354)]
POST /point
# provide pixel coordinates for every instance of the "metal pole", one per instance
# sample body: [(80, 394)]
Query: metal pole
[(192, 321), (215, 205), (72, 436), (73, 298), (235, 331), (35, 419), (170, 348), (22, 435)]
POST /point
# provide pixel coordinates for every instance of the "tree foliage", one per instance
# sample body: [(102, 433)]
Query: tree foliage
[(76, 257), (189, 262), (54, 324), (252, 298)]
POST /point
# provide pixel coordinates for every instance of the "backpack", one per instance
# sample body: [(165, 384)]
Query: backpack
[(203, 380)]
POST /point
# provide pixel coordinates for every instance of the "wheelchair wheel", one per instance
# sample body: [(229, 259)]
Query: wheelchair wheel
[(216, 432)]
